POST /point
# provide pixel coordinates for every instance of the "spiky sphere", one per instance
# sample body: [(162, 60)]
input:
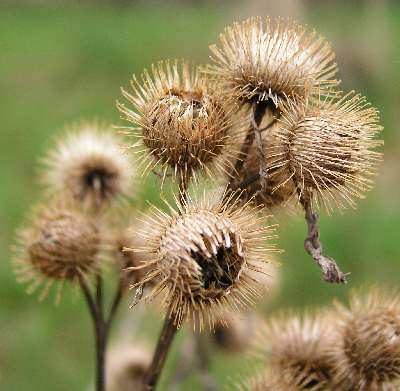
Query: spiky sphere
[(206, 256), (184, 123), (61, 244), (273, 59), (88, 163), (367, 352), (297, 349), (327, 149), (127, 367)]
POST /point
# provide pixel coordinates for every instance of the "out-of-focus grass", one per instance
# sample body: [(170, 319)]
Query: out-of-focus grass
[(59, 65)]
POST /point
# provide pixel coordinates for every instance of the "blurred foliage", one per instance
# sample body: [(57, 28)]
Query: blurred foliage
[(62, 64)]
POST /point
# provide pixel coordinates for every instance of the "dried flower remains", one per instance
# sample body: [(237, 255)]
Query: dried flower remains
[(184, 123), (206, 256)]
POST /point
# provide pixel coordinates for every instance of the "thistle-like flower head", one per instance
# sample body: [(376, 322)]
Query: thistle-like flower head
[(326, 149), (89, 165), (367, 352), (184, 123), (61, 244), (297, 350), (205, 256), (272, 59)]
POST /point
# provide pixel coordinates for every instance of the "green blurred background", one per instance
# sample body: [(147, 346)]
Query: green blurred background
[(63, 60)]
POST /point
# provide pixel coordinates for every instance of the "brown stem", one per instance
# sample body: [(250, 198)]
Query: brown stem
[(248, 141), (101, 325), (330, 270), (100, 330), (259, 109), (116, 301), (165, 339)]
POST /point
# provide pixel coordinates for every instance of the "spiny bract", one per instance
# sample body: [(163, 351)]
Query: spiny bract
[(366, 355), (61, 244), (206, 255), (273, 59), (89, 164), (326, 149), (184, 123), (297, 348)]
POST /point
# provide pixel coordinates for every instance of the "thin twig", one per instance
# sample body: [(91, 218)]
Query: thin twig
[(115, 303), (100, 330), (330, 270), (165, 339), (259, 109), (99, 293)]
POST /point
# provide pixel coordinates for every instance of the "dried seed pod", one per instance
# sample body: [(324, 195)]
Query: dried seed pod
[(60, 245), (127, 367), (366, 355), (203, 257), (90, 165), (297, 348), (184, 123), (326, 149), (273, 59)]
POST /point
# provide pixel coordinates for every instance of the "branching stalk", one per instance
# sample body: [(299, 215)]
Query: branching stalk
[(102, 325)]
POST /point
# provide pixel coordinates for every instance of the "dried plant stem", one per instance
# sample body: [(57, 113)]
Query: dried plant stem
[(254, 132), (330, 270), (165, 339), (259, 109), (102, 325)]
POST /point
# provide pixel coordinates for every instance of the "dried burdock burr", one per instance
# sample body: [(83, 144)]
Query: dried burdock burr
[(183, 122), (205, 256), (272, 59), (327, 149), (327, 152), (297, 349), (89, 164), (60, 245), (127, 366), (366, 355)]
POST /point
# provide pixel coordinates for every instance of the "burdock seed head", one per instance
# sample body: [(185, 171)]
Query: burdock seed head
[(297, 350), (205, 256), (326, 149), (366, 354), (183, 122), (273, 59), (61, 244), (88, 164)]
